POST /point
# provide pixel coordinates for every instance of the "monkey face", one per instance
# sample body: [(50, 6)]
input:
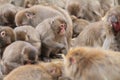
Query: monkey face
[(59, 26), (115, 21), (29, 56), (5, 39)]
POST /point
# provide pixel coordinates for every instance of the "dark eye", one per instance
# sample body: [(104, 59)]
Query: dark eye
[(76, 54)]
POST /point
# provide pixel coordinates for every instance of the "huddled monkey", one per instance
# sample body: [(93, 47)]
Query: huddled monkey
[(18, 53), (85, 63)]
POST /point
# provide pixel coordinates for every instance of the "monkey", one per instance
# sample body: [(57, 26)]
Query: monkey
[(45, 71), (7, 15), (24, 3), (106, 5), (59, 3), (17, 3), (89, 10), (86, 63), (30, 3), (55, 69), (18, 53), (7, 36), (113, 29), (52, 32), (78, 25), (29, 34), (36, 14), (92, 35), (29, 72)]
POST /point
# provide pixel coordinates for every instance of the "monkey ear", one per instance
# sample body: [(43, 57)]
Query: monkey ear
[(3, 33), (53, 70), (29, 15)]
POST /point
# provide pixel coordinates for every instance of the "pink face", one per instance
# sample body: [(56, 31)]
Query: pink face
[(116, 26), (62, 29), (115, 23)]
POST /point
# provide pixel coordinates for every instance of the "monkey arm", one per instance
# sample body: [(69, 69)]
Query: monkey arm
[(107, 42), (12, 65), (53, 44)]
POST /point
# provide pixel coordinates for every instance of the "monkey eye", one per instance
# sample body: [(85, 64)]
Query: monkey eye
[(114, 19), (76, 54), (3, 33)]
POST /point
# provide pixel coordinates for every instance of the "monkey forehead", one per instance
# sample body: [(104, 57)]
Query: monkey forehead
[(7, 29), (59, 19), (114, 11), (86, 52)]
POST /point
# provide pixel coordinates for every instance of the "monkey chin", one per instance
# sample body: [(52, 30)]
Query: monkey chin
[(62, 32)]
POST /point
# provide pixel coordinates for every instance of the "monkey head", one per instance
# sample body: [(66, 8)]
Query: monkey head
[(59, 26), (30, 55), (113, 17), (79, 59), (7, 36), (24, 17)]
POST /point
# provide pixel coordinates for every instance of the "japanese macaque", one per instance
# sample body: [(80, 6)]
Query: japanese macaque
[(29, 72), (78, 25), (89, 9), (86, 63), (7, 36), (18, 53), (52, 32), (36, 14), (7, 15), (30, 3), (106, 5), (24, 3), (17, 3), (92, 35), (112, 40), (42, 71), (55, 69), (29, 34), (60, 3)]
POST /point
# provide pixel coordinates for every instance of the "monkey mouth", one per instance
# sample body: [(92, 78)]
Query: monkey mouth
[(116, 26)]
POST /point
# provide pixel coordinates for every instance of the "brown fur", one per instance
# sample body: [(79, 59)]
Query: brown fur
[(17, 54), (8, 13), (112, 40), (55, 69), (45, 71), (29, 34), (93, 35), (30, 3), (92, 64), (78, 25), (7, 38), (89, 10), (17, 3), (106, 5), (39, 13), (29, 72), (59, 3), (50, 38)]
